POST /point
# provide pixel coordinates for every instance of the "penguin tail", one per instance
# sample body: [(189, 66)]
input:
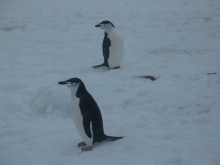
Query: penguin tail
[(112, 138)]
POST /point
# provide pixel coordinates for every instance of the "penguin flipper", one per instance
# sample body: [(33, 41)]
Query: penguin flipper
[(105, 48), (86, 123), (87, 117)]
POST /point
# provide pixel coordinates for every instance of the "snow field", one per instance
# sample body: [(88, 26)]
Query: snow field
[(173, 120)]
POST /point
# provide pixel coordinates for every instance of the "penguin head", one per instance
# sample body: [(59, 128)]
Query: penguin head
[(105, 25), (71, 83)]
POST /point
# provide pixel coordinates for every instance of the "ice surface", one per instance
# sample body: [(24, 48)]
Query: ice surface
[(173, 120)]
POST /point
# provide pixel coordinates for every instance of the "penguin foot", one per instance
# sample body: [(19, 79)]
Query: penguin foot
[(102, 65), (88, 148), (82, 144), (98, 66), (117, 67)]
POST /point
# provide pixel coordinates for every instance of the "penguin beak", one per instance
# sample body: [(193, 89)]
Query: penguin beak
[(62, 82), (98, 25)]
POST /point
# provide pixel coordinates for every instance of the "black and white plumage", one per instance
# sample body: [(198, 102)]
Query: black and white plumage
[(86, 114), (112, 46)]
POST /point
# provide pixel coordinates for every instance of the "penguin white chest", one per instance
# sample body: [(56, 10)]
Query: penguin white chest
[(116, 50), (76, 114), (78, 121)]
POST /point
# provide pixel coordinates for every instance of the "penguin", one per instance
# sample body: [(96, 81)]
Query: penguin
[(86, 115), (112, 46)]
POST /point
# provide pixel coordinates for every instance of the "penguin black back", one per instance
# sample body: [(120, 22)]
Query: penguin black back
[(90, 109)]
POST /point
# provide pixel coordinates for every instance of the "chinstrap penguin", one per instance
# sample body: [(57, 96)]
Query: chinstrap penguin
[(112, 46), (86, 115)]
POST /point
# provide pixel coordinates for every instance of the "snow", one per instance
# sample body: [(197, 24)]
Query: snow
[(173, 120)]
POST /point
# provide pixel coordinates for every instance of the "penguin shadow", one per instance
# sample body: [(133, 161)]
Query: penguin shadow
[(105, 68), (152, 78)]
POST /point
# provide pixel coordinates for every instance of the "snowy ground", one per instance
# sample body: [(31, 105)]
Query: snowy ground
[(174, 120)]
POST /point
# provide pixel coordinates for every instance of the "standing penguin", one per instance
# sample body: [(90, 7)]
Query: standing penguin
[(112, 46), (86, 115)]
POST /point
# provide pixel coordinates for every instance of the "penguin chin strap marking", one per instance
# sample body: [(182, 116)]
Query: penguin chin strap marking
[(71, 85), (102, 26)]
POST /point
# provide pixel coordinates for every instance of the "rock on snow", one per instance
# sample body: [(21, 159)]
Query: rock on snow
[(173, 120)]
